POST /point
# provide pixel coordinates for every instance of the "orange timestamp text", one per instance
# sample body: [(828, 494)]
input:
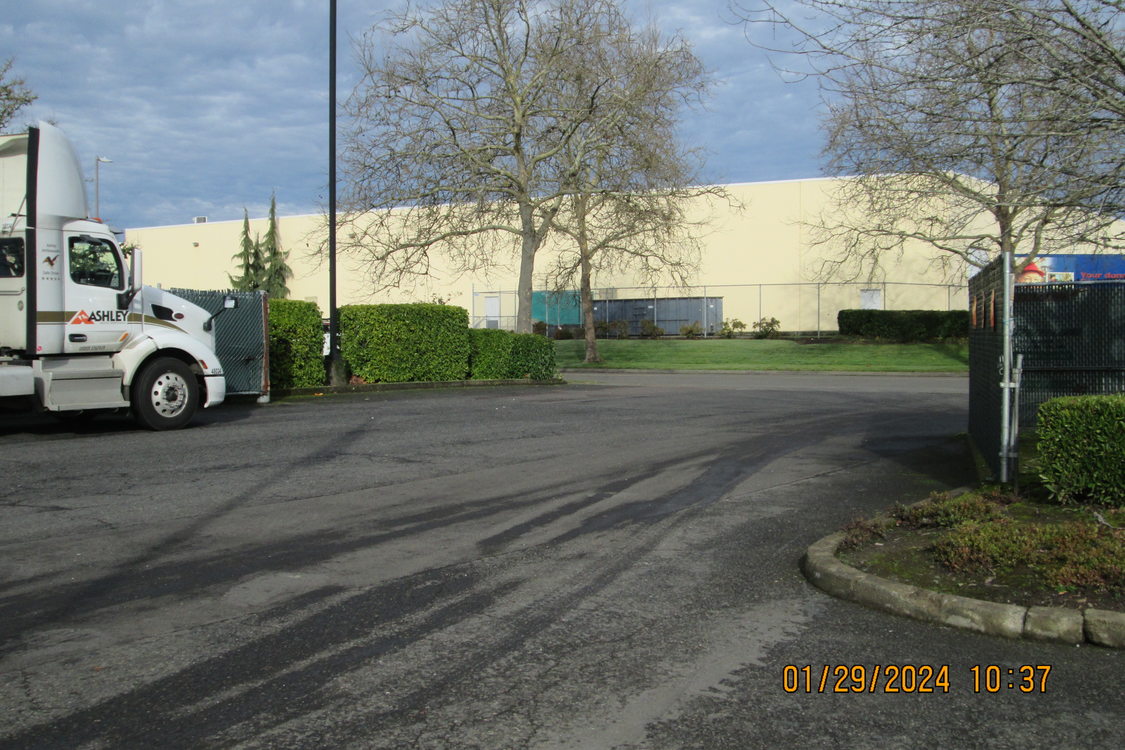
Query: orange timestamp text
[(911, 678)]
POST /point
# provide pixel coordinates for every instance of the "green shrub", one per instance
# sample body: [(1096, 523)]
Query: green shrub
[(942, 511), (296, 341), (491, 353), (618, 329), (692, 331), (650, 330), (905, 326), (767, 328), (1082, 449), (860, 531), (531, 357), (1064, 555), (732, 328), (405, 343)]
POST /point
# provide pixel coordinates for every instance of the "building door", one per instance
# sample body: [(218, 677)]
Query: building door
[(492, 312), (871, 299)]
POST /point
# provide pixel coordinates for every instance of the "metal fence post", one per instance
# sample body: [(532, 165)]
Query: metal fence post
[(1006, 371), (818, 310), (704, 312)]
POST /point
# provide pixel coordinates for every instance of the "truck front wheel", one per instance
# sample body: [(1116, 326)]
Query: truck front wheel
[(165, 394)]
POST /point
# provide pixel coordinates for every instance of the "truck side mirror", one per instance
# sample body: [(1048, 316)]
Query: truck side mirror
[(230, 302)]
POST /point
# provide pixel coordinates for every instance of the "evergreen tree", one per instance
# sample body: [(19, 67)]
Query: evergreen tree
[(276, 271), (249, 259)]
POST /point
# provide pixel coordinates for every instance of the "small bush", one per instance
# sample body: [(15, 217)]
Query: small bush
[(296, 344), (531, 357), (905, 326), (693, 331), (650, 330), (405, 343), (731, 328), (859, 532), (996, 546), (942, 511), (617, 329), (767, 328), (1082, 449), (491, 353), (1065, 555)]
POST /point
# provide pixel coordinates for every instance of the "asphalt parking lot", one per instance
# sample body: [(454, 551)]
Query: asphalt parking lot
[(608, 563)]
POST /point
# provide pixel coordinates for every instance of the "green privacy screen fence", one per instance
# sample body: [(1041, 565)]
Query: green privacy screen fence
[(240, 337), (1071, 336)]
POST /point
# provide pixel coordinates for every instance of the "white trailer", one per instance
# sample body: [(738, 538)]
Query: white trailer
[(78, 332)]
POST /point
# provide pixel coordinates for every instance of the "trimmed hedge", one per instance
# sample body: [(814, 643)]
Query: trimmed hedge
[(1082, 448), (405, 343), (491, 353), (532, 357), (502, 354), (904, 325), (296, 342)]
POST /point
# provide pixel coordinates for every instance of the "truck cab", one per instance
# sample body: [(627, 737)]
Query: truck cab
[(78, 330)]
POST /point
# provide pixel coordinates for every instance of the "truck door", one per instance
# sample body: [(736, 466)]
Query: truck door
[(94, 275), (13, 293)]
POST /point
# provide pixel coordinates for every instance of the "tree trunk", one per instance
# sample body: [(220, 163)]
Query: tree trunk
[(527, 267), (586, 292)]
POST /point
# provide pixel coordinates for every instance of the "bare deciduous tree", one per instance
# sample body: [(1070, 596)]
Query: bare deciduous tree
[(459, 128), (630, 182), (965, 124)]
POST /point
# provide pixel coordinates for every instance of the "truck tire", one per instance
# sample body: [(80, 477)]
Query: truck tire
[(165, 394)]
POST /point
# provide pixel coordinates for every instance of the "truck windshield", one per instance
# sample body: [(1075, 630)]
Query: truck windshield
[(95, 262), (11, 257)]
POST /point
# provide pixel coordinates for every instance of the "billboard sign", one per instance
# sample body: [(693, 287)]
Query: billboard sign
[(1069, 268)]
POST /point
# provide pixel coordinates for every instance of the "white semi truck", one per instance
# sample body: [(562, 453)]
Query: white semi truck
[(79, 333)]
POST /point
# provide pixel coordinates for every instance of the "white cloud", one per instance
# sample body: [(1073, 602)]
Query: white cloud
[(206, 106)]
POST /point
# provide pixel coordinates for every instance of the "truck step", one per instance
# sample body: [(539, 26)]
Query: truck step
[(82, 383)]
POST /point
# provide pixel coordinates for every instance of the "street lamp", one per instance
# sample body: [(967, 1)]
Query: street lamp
[(335, 363), (98, 161)]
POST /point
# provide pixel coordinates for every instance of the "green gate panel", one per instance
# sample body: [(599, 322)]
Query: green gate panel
[(240, 337)]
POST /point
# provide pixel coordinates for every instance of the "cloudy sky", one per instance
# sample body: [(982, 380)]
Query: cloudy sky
[(208, 106)]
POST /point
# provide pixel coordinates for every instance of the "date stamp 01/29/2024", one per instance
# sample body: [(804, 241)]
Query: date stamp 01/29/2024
[(910, 678)]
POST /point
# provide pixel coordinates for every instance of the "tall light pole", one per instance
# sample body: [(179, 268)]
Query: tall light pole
[(335, 365), (98, 162)]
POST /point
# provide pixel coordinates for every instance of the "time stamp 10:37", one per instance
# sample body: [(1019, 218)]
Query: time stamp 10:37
[(911, 678)]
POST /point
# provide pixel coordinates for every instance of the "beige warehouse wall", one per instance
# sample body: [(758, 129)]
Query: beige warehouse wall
[(746, 252), (202, 256)]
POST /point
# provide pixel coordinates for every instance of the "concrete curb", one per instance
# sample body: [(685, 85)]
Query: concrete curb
[(654, 371), (1054, 624), (376, 387)]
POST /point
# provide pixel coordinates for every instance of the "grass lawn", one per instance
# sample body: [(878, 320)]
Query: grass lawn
[(756, 354)]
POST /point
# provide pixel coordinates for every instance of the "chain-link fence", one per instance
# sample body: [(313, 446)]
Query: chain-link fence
[(808, 308), (1072, 338), (1069, 338), (986, 363)]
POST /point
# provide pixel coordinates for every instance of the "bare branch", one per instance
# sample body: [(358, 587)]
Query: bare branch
[(974, 126), (14, 95)]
